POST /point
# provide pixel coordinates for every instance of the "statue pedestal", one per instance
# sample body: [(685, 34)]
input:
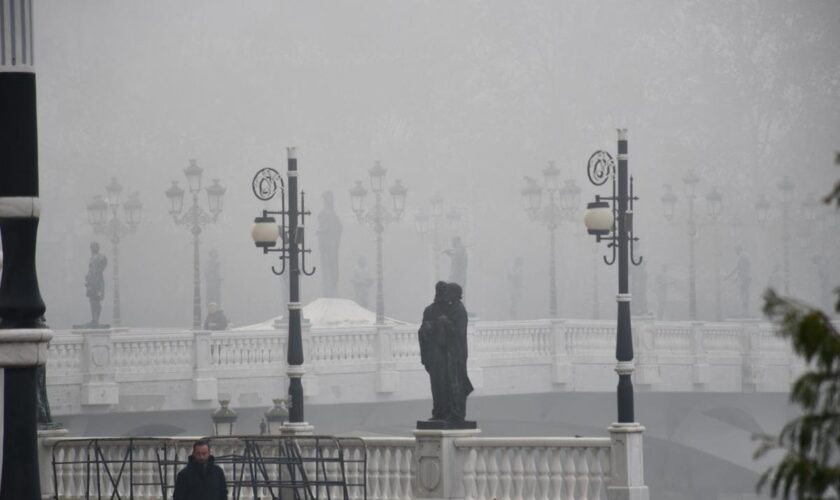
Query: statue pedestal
[(445, 425), (436, 463)]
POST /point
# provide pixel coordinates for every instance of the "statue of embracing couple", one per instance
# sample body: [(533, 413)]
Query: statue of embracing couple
[(443, 352)]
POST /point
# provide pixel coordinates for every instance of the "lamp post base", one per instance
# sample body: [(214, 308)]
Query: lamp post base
[(296, 429)]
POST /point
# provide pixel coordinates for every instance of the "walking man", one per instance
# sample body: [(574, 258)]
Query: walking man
[(201, 479)]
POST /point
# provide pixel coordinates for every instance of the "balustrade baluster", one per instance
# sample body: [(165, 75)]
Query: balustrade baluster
[(583, 477), (505, 473), (518, 474), (493, 480), (480, 478), (543, 474), (531, 489), (596, 474), (569, 477)]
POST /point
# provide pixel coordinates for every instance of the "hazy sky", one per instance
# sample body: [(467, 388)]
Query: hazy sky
[(460, 98)]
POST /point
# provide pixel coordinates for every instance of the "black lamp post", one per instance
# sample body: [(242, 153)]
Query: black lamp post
[(562, 202), (23, 331), (611, 219), (266, 184), (195, 218), (378, 217), (714, 199), (104, 216)]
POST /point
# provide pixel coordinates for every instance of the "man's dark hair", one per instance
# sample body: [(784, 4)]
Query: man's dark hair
[(440, 290), (455, 291), (202, 442)]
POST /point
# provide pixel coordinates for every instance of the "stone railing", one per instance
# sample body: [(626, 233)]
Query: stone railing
[(534, 467), (435, 464), (100, 367)]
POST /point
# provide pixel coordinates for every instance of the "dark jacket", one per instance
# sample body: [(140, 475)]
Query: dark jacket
[(201, 482)]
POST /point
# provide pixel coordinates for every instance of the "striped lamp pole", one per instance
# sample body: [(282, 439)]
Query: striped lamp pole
[(23, 334), (292, 250), (611, 219)]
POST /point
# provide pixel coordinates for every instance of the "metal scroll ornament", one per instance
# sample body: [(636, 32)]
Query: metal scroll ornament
[(266, 183), (600, 167)]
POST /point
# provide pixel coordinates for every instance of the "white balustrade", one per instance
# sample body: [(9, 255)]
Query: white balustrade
[(96, 367), (539, 468), (516, 468)]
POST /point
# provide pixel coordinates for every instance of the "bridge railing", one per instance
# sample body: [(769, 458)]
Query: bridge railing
[(387, 467), (93, 367)]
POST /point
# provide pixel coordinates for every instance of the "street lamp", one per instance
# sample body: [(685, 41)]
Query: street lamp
[(611, 219), (562, 203), (276, 416), (104, 216), (714, 200), (426, 223), (378, 217), (224, 419), (195, 218), (266, 184), (762, 210)]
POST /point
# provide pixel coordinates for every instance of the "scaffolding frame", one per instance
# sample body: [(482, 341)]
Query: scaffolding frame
[(288, 467)]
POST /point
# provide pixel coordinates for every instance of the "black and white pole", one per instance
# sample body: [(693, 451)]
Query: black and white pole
[(266, 184), (23, 333), (294, 358), (611, 219)]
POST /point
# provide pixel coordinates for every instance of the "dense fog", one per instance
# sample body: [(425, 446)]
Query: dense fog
[(460, 99)]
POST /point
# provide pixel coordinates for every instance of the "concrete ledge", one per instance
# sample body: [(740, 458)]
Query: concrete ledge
[(25, 347)]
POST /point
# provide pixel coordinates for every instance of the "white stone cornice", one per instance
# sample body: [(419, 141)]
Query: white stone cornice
[(24, 347), (12, 207)]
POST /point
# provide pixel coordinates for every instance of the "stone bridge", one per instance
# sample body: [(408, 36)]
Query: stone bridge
[(138, 370)]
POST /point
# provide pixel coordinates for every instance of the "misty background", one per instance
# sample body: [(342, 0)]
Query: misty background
[(458, 98)]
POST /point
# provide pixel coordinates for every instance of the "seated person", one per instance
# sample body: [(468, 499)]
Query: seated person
[(216, 319)]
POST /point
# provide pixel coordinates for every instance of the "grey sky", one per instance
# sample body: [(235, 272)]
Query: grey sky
[(461, 98)]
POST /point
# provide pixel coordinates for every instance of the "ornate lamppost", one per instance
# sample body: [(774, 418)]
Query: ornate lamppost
[(378, 217), (23, 332), (762, 210), (713, 199), (611, 219), (426, 223), (266, 184), (195, 218), (562, 203), (104, 216)]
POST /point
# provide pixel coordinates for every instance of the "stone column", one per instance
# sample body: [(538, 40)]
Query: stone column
[(45, 449), (627, 476), (205, 385), (700, 361), (647, 362), (751, 364), (561, 369), (439, 472), (387, 377), (99, 386), (309, 380)]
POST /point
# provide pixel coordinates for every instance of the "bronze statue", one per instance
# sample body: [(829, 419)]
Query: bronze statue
[(443, 352), (741, 273), (329, 239), (95, 283)]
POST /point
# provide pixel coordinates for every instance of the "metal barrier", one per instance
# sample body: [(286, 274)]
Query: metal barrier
[(309, 467)]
